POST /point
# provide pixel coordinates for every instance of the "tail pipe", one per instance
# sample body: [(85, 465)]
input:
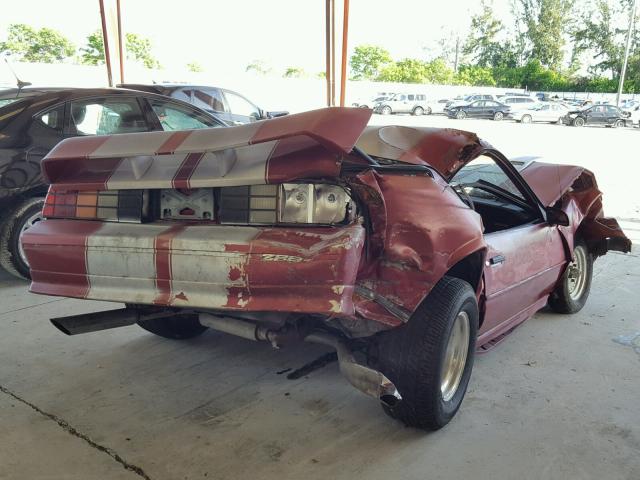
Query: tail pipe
[(365, 379)]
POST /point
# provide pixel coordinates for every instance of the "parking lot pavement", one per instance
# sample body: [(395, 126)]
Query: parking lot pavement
[(557, 399)]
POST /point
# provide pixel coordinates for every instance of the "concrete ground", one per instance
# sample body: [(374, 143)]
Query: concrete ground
[(557, 399)]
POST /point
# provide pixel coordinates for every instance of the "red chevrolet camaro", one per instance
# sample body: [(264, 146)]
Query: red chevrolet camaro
[(405, 249)]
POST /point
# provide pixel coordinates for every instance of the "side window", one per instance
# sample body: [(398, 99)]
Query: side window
[(421, 98), (53, 119), (546, 107), (412, 97), (176, 117), (183, 94), (106, 116), (241, 106), (485, 169), (208, 99)]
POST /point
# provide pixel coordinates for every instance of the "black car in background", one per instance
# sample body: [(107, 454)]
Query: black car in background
[(607, 115), (480, 109), (227, 105), (34, 120)]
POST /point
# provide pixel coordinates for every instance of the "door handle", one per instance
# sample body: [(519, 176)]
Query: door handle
[(496, 260)]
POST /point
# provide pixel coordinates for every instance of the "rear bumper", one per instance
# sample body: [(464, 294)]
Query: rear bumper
[(306, 270)]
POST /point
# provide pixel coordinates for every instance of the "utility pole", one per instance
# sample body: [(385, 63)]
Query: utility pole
[(632, 15), (455, 62)]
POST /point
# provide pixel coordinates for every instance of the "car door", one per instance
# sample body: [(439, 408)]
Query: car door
[(595, 115), (544, 113), (611, 114), (525, 254), (241, 110), (490, 108), (45, 131), (474, 109)]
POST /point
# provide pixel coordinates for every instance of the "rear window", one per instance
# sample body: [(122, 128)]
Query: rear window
[(7, 101)]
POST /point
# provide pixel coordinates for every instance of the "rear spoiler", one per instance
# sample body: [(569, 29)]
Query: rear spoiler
[(242, 155)]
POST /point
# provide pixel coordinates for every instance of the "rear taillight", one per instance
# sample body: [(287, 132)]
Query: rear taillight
[(112, 205)]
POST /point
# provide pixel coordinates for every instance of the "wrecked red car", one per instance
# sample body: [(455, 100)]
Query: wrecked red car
[(405, 249)]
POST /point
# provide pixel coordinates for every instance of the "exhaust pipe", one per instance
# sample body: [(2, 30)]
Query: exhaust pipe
[(367, 380), (96, 321)]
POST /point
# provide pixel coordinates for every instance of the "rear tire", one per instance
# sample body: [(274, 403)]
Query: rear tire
[(526, 119), (571, 293), (17, 220), (179, 327), (431, 357), (498, 116)]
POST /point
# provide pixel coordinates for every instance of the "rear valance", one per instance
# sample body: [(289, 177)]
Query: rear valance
[(263, 152)]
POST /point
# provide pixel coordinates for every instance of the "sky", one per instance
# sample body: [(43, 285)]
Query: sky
[(229, 34)]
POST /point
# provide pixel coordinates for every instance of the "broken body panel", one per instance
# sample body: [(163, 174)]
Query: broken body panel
[(367, 274)]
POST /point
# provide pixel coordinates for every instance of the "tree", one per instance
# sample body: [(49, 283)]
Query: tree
[(138, 48), (258, 66), (603, 35), (482, 43), (547, 23), (475, 75), (294, 72), (411, 70), (93, 52), (194, 67), (368, 61), (39, 46)]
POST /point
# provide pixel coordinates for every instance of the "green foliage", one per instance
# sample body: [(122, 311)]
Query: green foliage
[(547, 23), (93, 52), (138, 48), (482, 44), (475, 75), (194, 67), (411, 70), (368, 61), (26, 44), (258, 66), (294, 72)]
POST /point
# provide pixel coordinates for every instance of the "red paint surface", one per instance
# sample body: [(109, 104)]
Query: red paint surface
[(188, 166), (173, 142), (56, 253), (337, 129), (162, 248)]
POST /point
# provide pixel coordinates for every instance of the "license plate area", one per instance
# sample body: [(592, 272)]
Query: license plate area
[(197, 204)]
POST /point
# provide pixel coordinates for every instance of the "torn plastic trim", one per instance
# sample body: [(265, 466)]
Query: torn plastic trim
[(384, 302)]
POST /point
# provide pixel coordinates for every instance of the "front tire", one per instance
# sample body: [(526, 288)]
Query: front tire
[(526, 119), (461, 114), (618, 124), (578, 122), (386, 110), (418, 111), (18, 220), (179, 327), (571, 294), (430, 359)]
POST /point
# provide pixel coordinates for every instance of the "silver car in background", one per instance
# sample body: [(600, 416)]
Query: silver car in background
[(542, 112)]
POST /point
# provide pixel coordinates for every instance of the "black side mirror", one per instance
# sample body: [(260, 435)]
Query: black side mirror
[(556, 216)]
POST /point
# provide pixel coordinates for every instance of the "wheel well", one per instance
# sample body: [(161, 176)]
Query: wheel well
[(469, 269)]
